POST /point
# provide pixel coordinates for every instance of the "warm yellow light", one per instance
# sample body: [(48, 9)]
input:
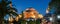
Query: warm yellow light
[(17, 18), (32, 13), (48, 8), (33, 16), (20, 16), (10, 19), (40, 16)]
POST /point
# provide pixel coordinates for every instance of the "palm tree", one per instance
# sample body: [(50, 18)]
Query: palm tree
[(5, 9)]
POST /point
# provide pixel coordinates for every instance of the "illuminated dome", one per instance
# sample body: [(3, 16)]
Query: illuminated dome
[(31, 13)]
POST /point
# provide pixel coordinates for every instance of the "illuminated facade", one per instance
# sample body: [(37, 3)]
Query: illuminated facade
[(32, 13), (29, 13)]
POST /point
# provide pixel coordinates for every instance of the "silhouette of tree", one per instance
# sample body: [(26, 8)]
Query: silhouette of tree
[(56, 5), (6, 9)]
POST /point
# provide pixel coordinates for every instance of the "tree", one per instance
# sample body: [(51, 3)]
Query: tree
[(56, 5), (6, 9)]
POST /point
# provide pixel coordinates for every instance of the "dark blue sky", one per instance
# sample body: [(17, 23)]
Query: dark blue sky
[(39, 5)]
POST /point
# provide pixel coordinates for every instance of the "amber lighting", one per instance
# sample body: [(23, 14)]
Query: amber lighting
[(32, 13), (47, 10), (40, 16), (17, 18), (11, 19), (32, 16), (20, 16)]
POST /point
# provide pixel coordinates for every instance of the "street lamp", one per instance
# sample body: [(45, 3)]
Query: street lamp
[(58, 16), (50, 18)]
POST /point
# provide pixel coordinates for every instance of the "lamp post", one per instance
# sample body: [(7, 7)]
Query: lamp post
[(58, 19)]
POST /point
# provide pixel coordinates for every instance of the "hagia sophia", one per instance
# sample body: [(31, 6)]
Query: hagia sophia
[(29, 13)]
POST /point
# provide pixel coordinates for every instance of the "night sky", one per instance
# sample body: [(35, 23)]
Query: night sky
[(39, 5)]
